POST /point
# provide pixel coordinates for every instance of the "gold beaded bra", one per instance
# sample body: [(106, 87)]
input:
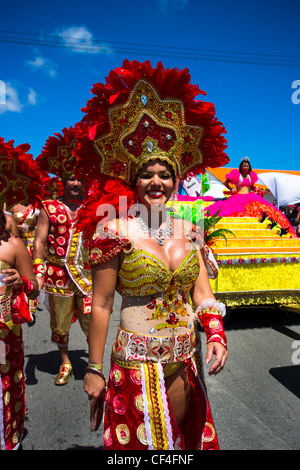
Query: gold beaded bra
[(142, 273)]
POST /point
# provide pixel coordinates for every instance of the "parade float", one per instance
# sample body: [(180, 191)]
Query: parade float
[(258, 254)]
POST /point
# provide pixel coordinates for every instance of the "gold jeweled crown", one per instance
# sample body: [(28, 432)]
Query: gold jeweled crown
[(145, 128)]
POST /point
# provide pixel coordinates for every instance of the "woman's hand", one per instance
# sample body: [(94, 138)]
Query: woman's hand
[(94, 386), (221, 354), (13, 278)]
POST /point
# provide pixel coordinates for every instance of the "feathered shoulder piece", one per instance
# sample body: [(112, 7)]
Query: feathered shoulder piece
[(108, 199)]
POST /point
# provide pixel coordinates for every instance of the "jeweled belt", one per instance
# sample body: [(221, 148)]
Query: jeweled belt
[(130, 348)]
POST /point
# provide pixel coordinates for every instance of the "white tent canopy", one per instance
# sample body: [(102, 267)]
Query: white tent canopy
[(216, 190), (284, 186)]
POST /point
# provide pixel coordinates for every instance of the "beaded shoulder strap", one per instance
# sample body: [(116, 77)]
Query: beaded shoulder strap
[(122, 228)]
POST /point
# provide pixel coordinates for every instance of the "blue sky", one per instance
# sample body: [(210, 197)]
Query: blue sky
[(240, 53)]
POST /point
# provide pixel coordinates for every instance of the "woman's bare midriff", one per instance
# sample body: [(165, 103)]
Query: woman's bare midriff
[(137, 317)]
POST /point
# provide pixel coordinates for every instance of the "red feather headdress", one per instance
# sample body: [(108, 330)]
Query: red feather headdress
[(57, 156), (20, 177), (142, 113), (139, 103)]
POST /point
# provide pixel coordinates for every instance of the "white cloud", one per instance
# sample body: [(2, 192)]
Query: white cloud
[(12, 101), (80, 39), (45, 65), (32, 97)]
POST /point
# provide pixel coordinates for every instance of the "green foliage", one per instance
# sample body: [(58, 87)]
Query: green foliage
[(210, 234)]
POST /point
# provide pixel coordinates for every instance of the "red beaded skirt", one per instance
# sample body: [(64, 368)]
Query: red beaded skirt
[(12, 388), (138, 414)]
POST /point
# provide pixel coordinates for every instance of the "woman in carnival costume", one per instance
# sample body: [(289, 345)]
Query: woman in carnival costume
[(146, 131), (246, 200), (26, 215), (17, 283)]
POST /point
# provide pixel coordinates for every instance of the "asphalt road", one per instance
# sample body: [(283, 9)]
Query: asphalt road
[(254, 401)]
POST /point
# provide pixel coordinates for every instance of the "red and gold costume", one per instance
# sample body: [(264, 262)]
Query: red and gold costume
[(140, 362), (27, 213), (143, 114), (69, 286), (61, 282), (13, 312), (14, 184)]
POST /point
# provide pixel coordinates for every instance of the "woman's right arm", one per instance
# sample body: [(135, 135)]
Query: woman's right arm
[(104, 286), (226, 183), (40, 241)]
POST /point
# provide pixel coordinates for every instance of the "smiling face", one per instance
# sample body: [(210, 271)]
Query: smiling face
[(245, 168), (73, 188), (155, 184)]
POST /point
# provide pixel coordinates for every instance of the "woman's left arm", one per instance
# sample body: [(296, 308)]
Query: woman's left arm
[(209, 314)]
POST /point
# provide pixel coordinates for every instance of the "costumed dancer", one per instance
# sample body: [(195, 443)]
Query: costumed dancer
[(68, 287), (246, 199), (147, 131), (17, 283), (26, 215)]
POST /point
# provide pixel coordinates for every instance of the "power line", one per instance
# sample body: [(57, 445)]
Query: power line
[(171, 52), (153, 45)]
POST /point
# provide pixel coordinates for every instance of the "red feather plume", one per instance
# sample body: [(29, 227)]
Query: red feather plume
[(21, 177)]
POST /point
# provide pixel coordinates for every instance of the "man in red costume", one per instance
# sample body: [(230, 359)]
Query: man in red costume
[(69, 291)]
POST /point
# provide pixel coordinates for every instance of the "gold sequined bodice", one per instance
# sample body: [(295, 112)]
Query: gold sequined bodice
[(142, 274)]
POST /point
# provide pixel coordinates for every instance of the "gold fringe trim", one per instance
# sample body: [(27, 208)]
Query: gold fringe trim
[(155, 405)]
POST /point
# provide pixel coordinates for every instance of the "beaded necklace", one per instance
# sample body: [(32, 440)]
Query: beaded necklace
[(160, 234)]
